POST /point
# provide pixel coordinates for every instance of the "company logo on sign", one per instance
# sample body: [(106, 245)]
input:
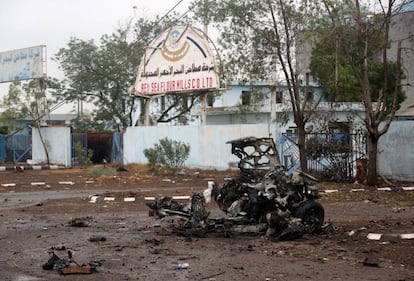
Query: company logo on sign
[(179, 60), (173, 51)]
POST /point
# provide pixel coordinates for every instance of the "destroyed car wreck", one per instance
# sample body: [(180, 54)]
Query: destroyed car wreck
[(263, 199)]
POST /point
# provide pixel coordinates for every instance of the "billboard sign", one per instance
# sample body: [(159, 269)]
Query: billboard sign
[(23, 64), (180, 60)]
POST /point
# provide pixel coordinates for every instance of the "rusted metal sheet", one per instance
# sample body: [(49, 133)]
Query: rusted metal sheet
[(75, 269)]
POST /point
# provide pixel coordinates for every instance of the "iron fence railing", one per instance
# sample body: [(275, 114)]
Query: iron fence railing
[(329, 156)]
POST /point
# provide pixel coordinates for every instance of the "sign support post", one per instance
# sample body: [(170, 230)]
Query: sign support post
[(203, 108)]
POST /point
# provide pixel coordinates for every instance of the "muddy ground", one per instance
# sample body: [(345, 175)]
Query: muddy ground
[(36, 212)]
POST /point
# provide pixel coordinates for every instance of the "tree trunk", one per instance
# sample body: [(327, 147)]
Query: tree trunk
[(43, 142), (147, 111), (302, 148), (372, 160)]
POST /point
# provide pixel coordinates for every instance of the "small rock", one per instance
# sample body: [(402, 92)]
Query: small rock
[(80, 222), (97, 238), (396, 210), (122, 169), (371, 262)]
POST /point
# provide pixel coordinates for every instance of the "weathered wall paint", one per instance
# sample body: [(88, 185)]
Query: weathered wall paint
[(58, 142), (396, 152), (210, 151), (208, 148)]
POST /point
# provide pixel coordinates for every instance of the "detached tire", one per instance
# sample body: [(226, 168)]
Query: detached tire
[(312, 215)]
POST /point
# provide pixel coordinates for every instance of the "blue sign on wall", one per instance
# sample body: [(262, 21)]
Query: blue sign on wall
[(23, 64)]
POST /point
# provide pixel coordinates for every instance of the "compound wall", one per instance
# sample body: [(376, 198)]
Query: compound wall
[(396, 152), (58, 143), (208, 148)]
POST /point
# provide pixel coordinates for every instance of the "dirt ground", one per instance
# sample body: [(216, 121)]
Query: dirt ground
[(36, 208)]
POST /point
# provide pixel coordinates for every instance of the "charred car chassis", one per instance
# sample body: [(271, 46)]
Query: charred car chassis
[(263, 199)]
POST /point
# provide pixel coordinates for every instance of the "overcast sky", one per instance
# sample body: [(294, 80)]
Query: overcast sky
[(27, 23)]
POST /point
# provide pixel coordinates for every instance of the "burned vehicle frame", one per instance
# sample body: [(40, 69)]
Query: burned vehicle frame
[(263, 199)]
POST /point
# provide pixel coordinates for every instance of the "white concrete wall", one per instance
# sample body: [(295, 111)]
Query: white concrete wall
[(396, 152), (210, 151), (208, 148), (58, 142)]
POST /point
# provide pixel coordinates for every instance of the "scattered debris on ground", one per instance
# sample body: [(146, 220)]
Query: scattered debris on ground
[(97, 238), (80, 222), (141, 248), (69, 266), (262, 199), (371, 262)]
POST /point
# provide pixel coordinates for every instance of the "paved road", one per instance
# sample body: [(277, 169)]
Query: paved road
[(10, 200)]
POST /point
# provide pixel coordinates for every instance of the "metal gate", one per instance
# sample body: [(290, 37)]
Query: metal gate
[(329, 156), (290, 152), (117, 148), (3, 154), (18, 148), (79, 141)]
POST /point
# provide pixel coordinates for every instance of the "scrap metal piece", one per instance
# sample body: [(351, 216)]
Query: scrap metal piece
[(198, 211), (55, 262), (76, 269), (69, 266), (80, 222), (165, 205)]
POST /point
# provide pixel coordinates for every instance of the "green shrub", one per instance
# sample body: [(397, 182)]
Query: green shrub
[(168, 153), (83, 155)]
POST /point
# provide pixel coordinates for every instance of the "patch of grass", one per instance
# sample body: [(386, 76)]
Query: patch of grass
[(102, 171)]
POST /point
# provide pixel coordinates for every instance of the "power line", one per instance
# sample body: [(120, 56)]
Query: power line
[(172, 9), (183, 15)]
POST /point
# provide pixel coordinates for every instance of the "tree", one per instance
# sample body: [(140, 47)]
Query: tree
[(177, 106), (105, 74), (345, 87), (259, 40), (332, 71), (102, 75), (30, 99), (363, 31)]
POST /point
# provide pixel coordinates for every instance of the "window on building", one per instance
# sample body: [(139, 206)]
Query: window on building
[(210, 99), (246, 97), (340, 132), (291, 132), (309, 96), (279, 96), (142, 106), (163, 103), (185, 102)]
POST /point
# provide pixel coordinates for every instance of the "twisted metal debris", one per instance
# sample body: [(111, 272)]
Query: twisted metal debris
[(263, 199)]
